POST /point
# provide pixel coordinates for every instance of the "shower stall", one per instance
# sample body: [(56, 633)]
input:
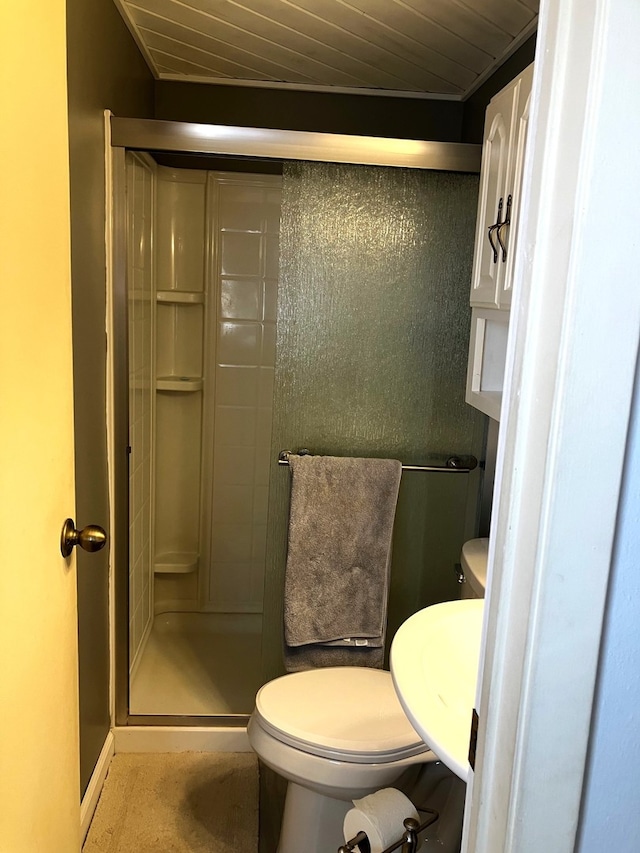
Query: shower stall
[(202, 289), (325, 307)]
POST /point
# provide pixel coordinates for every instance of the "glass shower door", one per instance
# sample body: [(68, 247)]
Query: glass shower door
[(372, 335)]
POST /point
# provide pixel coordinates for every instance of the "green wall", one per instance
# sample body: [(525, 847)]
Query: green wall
[(370, 115), (367, 115), (105, 70)]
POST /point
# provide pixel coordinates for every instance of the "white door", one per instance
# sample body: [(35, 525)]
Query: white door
[(39, 772)]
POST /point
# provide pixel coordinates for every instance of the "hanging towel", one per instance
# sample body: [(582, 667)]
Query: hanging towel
[(337, 572)]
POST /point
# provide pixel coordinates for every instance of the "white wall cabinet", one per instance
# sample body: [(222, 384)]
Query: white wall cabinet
[(506, 126)]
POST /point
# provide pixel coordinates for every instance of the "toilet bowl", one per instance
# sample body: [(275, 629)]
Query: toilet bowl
[(340, 733), (335, 734)]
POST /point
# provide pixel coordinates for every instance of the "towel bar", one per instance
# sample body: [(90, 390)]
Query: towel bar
[(453, 465)]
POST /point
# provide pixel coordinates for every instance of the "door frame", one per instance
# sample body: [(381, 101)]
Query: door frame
[(118, 421), (572, 355), (560, 349)]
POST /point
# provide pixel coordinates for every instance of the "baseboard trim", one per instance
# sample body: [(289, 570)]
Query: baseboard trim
[(94, 788), (180, 739)]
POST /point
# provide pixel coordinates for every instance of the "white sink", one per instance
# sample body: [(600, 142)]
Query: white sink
[(434, 664)]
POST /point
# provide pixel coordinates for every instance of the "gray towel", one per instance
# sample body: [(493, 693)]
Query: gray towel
[(337, 574)]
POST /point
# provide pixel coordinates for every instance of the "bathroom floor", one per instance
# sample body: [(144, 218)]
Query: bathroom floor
[(199, 663), (188, 802)]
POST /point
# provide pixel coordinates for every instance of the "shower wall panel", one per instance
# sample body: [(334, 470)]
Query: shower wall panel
[(180, 247), (245, 222), (372, 334), (181, 252), (217, 275), (140, 292)]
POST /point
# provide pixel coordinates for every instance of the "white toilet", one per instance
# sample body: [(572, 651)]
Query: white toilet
[(474, 567), (335, 734)]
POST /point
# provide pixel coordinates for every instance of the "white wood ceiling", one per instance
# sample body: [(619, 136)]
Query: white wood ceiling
[(421, 48)]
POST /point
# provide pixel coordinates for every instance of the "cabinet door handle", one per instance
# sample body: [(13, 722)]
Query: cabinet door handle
[(492, 228), (507, 221)]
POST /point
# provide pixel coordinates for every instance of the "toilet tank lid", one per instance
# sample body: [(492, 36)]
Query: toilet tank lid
[(474, 563)]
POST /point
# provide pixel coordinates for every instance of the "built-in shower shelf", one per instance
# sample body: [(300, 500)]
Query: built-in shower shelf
[(180, 297), (176, 562), (184, 384)]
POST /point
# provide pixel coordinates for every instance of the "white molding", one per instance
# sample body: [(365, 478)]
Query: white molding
[(308, 87), (181, 739), (94, 788), (571, 362)]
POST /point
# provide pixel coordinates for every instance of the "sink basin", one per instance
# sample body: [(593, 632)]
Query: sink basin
[(434, 664)]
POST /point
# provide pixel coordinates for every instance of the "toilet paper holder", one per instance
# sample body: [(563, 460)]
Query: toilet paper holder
[(407, 844)]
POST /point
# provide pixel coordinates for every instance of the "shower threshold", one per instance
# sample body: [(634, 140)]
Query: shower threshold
[(199, 664)]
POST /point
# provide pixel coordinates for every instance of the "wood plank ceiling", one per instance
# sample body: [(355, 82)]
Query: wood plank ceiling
[(419, 48)]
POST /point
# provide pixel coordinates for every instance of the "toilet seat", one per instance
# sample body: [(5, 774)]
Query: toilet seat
[(310, 711)]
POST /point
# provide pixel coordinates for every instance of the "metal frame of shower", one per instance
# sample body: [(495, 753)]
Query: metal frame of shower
[(236, 142)]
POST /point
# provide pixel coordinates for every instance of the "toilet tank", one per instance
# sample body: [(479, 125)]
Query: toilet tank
[(474, 567)]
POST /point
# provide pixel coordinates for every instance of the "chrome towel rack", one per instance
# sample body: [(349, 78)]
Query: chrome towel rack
[(453, 464)]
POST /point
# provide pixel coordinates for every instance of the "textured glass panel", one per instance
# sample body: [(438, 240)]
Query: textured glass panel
[(372, 338)]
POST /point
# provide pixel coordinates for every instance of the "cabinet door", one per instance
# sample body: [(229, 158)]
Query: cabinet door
[(508, 234), (487, 266)]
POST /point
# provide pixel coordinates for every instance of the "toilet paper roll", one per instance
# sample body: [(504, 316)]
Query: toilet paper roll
[(381, 816)]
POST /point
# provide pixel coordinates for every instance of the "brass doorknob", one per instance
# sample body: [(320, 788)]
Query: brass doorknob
[(91, 537)]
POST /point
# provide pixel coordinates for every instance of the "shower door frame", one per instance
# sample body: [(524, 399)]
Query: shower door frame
[(149, 135)]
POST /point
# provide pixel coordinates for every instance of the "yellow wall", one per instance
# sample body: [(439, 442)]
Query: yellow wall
[(39, 783)]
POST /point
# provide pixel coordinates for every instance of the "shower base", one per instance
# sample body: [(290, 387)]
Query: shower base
[(198, 664)]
